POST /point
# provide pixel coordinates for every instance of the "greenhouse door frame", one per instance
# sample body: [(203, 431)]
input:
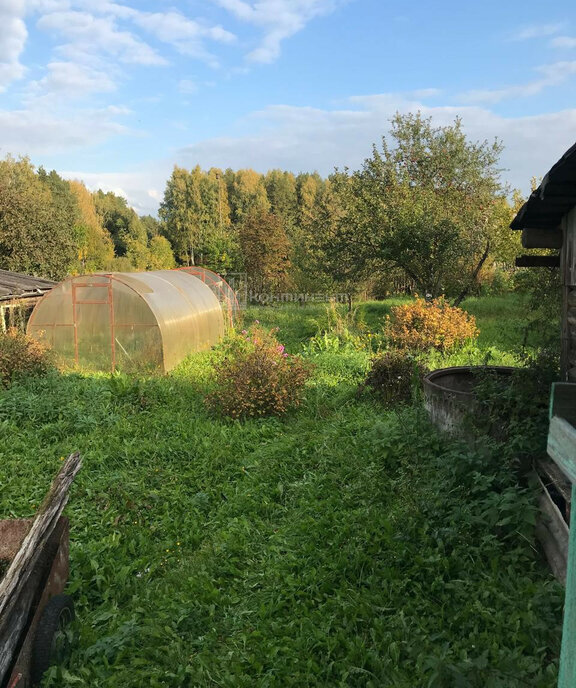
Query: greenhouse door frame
[(109, 301)]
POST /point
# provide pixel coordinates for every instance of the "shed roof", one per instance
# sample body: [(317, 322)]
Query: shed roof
[(15, 285), (555, 196)]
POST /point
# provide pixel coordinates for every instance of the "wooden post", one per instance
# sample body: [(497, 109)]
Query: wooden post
[(562, 449), (15, 596), (567, 676)]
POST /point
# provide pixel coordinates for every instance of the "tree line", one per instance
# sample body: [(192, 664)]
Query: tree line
[(426, 209)]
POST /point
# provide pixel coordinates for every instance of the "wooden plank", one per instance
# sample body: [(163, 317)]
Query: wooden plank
[(553, 534), (562, 447), (563, 401), (566, 345), (552, 475), (538, 262), (17, 586), (567, 674), (541, 238)]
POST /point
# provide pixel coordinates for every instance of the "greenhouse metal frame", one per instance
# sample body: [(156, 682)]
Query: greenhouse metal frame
[(128, 321)]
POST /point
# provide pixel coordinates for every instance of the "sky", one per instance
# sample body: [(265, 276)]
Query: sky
[(116, 94)]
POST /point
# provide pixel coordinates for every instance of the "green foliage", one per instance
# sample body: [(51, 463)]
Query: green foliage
[(124, 226), (341, 329), (160, 256), (265, 250), (196, 216), (95, 245), (343, 545), (515, 410), (256, 377), (395, 377), (37, 213), (21, 356), (431, 205)]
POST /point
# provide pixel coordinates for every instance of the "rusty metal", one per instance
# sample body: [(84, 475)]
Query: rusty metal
[(112, 324)]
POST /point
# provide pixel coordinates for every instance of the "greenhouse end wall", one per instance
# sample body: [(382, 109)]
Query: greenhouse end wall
[(128, 321)]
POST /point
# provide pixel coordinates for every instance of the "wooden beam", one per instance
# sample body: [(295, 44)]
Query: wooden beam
[(562, 446), (15, 593), (538, 262), (541, 238), (563, 401), (567, 673)]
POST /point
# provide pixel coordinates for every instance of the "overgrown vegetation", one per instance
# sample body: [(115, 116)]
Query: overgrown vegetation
[(20, 356), (344, 545), (256, 377), (394, 377), (423, 325)]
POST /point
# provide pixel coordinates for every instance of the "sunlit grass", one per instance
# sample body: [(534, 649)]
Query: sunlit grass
[(343, 545)]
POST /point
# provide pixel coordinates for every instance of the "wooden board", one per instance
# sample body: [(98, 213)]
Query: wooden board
[(20, 584), (553, 534), (538, 262), (563, 401), (542, 238), (567, 674), (562, 447)]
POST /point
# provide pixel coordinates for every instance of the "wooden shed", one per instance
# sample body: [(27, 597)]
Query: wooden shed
[(548, 220), (18, 296)]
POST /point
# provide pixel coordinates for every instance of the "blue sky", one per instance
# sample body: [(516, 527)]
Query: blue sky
[(117, 93)]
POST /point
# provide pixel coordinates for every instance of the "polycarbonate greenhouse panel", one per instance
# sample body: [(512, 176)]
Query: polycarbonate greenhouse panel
[(223, 291), (128, 321)]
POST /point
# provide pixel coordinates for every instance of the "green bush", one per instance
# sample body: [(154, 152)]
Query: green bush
[(21, 355), (256, 377), (394, 377)]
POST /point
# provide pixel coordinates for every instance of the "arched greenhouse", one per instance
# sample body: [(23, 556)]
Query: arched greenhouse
[(224, 292), (128, 321)]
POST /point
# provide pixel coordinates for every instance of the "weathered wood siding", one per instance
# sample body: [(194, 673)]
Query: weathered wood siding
[(568, 263)]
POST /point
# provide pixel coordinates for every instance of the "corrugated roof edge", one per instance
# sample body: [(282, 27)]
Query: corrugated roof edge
[(555, 196), (18, 285)]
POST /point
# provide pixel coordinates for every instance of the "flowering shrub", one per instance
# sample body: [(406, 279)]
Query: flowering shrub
[(424, 325), (256, 377), (21, 355), (394, 377)]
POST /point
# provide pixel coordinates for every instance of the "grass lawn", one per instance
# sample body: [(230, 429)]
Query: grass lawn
[(346, 545)]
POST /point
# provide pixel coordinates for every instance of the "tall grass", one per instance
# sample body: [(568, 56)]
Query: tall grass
[(343, 545)]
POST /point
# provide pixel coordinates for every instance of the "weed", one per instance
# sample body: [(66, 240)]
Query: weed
[(21, 355), (423, 325), (394, 377), (343, 545), (256, 377)]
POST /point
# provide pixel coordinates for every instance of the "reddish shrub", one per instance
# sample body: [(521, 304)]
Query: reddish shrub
[(21, 355), (256, 377)]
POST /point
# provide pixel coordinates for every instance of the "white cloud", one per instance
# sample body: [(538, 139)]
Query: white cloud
[(536, 31), (143, 188), (186, 35), (563, 42), (306, 139), (279, 19), (552, 75), (13, 35), (88, 34), (74, 80), (187, 86), (36, 131), (426, 93)]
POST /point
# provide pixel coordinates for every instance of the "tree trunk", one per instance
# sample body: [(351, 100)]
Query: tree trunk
[(477, 269)]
